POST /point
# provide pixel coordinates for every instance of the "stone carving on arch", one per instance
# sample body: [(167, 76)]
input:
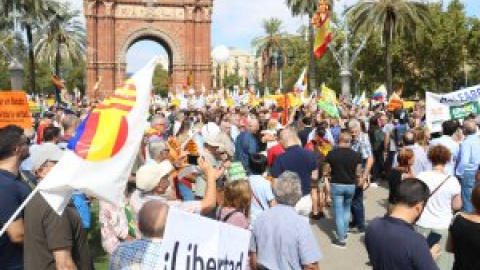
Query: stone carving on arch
[(138, 33)]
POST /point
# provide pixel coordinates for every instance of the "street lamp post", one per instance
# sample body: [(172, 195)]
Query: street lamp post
[(346, 57), (15, 67)]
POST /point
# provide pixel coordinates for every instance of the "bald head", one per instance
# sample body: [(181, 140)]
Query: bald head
[(289, 137), (152, 219), (345, 138), (469, 127)]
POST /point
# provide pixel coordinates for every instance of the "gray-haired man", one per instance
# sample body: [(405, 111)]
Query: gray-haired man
[(281, 238)]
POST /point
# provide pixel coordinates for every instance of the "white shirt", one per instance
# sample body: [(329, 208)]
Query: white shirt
[(454, 148), (438, 212)]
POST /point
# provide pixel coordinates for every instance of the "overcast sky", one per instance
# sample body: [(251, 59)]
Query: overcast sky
[(236, 22)]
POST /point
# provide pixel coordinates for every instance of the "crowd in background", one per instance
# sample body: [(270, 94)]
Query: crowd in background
[(263, 170)]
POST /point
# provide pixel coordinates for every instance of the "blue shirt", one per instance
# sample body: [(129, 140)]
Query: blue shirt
[(298, 160), (469, 156), (282, 239), (262, 191), (12, 194), (454, 148), (421, 162), (137, 254), (393, 244), (245, 146)]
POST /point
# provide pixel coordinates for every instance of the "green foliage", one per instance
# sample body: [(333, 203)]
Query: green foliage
[(160, 81), (389, 19), (231, 80)]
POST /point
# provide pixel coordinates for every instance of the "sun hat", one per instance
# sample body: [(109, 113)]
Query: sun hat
[(149, 175)]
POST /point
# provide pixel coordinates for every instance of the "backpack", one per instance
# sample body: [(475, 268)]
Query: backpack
[(398, 133)]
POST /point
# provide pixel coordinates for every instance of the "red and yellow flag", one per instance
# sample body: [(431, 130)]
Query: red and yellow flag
[(321, 21)]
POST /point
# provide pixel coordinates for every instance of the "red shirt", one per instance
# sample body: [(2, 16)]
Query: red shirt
[(273, 153)]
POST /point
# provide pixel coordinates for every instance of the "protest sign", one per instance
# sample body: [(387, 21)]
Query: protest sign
[(14, 110), (454, 105), (194, 242)]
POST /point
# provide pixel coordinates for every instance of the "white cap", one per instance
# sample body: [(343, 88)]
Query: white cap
[(149, 175), (43, 153)]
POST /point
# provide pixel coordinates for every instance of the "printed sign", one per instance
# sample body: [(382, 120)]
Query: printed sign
[(14, 110), (455, 105), (194, 242)]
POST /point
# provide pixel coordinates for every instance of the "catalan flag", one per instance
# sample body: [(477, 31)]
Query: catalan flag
[(100, 156), (321, 22)]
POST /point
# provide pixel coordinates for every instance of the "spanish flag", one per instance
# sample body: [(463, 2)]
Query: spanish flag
[(58, 87), (321, 21)]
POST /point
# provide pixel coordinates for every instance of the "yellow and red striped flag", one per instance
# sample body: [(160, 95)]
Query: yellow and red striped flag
[(321, 21)]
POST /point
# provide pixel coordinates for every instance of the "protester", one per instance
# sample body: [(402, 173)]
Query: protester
[(464, 236), (307, 128), (246, 145), (392, 242), (281, 239), (444, 200), (320, 189), (235, 208), (53, 241), (421, 163), (262, 195), (468, 163), (404, 170), (300, 161), (344, 166), (13, 150), (449, 129), (159, 128), (153, 183), (361, 144), (145, 253)]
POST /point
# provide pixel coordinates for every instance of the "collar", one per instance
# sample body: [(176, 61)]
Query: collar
[(293, 147), (398, 221), (7, 174)]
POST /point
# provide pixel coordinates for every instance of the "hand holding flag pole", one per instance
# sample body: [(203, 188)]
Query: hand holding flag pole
[(100, 156)]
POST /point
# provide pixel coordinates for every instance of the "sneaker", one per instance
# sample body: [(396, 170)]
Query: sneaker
[(317, 216), (339, 244), (356, 231)]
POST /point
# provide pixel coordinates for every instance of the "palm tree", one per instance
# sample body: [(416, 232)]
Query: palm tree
[(64, 40), (274, 43), (31, 15), (390, 18)]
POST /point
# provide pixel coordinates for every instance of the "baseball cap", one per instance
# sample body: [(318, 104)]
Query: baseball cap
[(213, 141), (149, 175)]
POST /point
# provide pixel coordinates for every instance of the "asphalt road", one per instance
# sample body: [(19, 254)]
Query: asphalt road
[(354, 256)]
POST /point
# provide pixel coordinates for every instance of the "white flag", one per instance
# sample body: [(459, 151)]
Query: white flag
[(100, 156)]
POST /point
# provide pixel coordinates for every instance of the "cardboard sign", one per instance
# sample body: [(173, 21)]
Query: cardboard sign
[(194, 242), (14, 110)]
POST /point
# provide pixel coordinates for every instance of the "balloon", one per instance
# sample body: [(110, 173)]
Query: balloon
[(221, 54)]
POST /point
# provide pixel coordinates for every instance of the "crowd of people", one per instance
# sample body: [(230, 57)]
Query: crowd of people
[(262, 170)]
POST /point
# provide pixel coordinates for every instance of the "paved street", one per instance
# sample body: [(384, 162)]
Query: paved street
[(355, 255)]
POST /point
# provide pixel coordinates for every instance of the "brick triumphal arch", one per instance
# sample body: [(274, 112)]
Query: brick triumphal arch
[(182, 27)]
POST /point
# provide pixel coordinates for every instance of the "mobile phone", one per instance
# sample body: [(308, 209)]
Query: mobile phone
[(192, 160), (433, 238)]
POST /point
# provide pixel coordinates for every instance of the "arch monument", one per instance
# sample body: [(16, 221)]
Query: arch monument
[(182, 27)]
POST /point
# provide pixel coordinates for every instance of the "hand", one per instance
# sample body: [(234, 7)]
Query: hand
[(208, 169), (435, 251)]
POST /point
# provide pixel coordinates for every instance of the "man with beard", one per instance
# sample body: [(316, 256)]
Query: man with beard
[(13, 191), (392, 242)]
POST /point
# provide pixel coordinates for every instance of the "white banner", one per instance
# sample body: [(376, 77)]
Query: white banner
[(454, 105), (195, 242)]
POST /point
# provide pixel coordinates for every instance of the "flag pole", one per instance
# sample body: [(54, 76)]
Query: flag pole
[(18, 211)]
